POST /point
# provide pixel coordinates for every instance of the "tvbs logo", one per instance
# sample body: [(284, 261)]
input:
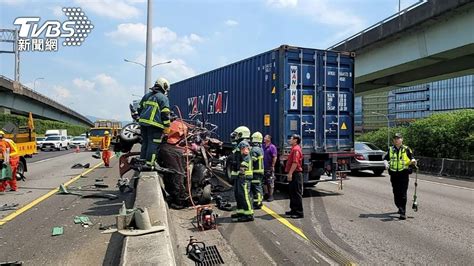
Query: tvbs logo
[(73, 31)]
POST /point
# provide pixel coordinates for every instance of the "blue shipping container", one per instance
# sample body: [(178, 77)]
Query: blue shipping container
[(281, 92), (285, 91)]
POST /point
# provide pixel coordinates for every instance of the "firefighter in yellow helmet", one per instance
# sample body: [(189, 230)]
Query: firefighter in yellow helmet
[(256, 153), (240, 164), (104, 147)]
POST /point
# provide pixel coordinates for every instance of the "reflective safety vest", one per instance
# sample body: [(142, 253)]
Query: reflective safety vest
[(13, 148), (151, 107), (399, 161), (105, 144), (8, 143), (257, 158)]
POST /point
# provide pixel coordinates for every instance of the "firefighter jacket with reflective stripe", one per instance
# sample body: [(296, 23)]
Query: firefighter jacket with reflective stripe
[(400, 160), (241, 165), (257, 159), (154, 110), (246, 167)]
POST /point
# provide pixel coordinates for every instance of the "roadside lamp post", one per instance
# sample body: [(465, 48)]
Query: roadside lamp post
[(157, 64), (34, 83)]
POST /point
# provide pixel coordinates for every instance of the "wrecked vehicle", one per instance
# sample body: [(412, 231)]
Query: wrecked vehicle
[(188, 145)]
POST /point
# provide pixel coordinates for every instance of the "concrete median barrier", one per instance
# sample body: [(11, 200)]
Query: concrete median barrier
[(154, 248)]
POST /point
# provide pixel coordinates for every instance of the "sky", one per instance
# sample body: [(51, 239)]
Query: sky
[(196, 35)]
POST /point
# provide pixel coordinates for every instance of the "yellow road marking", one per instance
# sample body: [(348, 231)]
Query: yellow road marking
[(285, 222), (322, 246), (30, 205)]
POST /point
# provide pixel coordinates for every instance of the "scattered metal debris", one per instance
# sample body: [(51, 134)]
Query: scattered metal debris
[(78, 166), (104, 196), (63, 191), (96, 155), (223, 204), (9, 207), (106, 227), (101, 185)]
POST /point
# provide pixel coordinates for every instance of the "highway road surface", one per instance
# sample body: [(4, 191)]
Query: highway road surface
[(356, 224), (25, 234)]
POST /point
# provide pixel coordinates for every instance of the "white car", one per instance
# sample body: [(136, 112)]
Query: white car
[(39, 142), (82, 142), (55, 143)]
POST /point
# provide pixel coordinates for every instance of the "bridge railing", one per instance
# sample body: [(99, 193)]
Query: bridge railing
[(401, 12), (46, 97)]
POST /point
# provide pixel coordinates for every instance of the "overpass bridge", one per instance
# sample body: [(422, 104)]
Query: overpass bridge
[(430, 40), (16, 98)]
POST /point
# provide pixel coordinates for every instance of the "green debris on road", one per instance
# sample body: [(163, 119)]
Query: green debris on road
[(58, 231), (84, 220)]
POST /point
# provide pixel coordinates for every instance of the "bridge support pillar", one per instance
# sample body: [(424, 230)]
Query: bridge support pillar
[(4, 111)]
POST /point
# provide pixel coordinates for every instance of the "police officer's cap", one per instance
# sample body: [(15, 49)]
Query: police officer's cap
[(397, 136)]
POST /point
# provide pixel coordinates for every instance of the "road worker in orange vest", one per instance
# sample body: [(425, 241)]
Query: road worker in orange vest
[(9, 155), (104, 146)]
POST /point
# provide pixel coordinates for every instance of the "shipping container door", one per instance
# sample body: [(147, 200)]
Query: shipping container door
[(299, 96), (335, 101)]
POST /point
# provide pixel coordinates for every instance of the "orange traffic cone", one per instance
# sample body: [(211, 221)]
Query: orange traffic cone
[(78, 149)]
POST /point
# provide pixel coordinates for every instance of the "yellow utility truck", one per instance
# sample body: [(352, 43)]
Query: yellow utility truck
[(96, 134), (25, 138)]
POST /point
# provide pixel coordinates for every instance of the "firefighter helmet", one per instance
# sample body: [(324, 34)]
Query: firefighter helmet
[(257, 137), (240, 133), (162, 84)]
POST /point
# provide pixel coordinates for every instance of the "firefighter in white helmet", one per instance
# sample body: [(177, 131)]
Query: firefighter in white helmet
[(154, 119)]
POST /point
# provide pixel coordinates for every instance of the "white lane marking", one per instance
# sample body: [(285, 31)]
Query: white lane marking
[(446, 185), (317, 261), (42, 161)]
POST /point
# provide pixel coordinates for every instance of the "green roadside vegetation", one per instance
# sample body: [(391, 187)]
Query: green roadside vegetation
[(442, 135), (42, 125)]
